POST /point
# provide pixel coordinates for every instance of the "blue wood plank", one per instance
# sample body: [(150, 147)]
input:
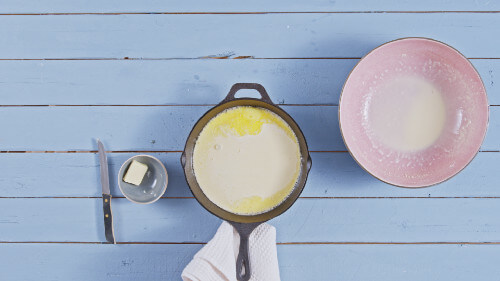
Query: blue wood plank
[(117, 6), (61, 262), (28, 174), (489, 73), (337, 175), (148, 128), (261, 35), (171, 81), (136, 127), (317, 81), (388, 262), (333, 175), (308, 220)]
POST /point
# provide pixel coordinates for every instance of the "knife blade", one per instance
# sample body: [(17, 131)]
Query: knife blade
[(106, 194)]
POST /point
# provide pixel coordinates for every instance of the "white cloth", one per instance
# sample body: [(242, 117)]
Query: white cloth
[(216, 261)]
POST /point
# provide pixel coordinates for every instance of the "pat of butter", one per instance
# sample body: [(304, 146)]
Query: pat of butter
[(135, 173)]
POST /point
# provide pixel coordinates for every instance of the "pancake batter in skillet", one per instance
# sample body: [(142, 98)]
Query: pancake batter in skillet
[(247, 160)]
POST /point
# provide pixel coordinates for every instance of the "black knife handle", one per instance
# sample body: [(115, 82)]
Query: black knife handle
[(108, 218)]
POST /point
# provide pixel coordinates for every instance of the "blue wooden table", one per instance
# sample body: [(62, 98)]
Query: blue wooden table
[(138, 74)]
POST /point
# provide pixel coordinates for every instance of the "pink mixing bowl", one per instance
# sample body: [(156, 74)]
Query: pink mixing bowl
[(413, 112)]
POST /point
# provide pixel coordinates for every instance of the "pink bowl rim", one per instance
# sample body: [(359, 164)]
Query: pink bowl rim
[(349, 76)]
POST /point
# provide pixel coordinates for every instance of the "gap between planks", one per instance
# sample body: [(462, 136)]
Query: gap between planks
[(138, 105), (165, 105), (279, 243), (157, 151), (248, 13), (301, 197), (206, 58)]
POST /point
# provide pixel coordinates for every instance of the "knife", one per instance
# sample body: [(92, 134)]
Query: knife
[(106, 195)]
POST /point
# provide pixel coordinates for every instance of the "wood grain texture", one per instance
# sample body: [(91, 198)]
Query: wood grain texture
[(262, 36), (149, 128), (171, 81), (61, 262), (308, 220), (168, 59), (117, 6), (333, 175), (136, 128), (389, 262), (94, 262), (167, 82)]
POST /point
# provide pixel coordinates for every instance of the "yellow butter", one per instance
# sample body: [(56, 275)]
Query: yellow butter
[(135, 173)]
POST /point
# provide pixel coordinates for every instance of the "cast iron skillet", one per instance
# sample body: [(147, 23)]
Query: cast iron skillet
[(244, 224)]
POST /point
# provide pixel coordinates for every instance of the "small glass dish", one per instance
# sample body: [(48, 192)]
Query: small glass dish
[(153, 185)]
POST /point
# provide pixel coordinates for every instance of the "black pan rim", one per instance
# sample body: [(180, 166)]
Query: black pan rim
[(211, 206)]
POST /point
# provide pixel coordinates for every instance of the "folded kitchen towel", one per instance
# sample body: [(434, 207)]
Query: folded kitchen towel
[(217, 259)]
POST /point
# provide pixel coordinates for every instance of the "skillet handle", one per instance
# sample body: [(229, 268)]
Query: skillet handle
[(252, 86), (243, 269)]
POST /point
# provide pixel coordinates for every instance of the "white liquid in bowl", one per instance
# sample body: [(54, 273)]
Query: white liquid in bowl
[(407, 114)]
